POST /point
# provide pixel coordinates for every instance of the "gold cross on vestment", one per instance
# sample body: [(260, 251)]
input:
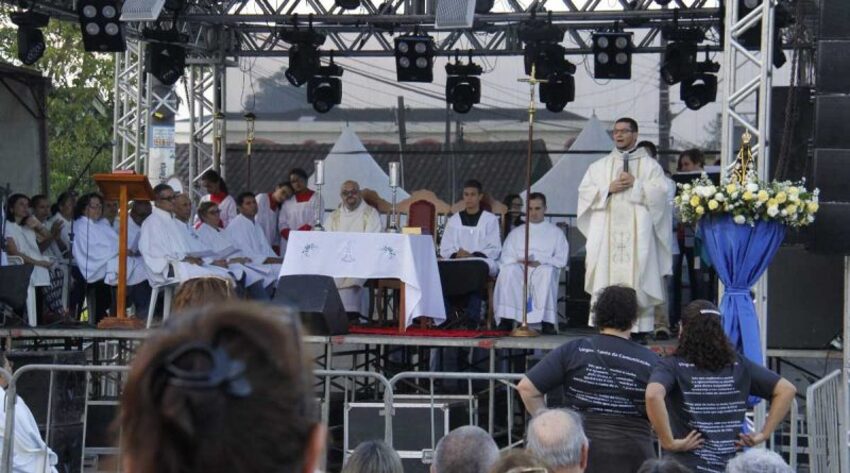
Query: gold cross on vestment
[(532, 83)]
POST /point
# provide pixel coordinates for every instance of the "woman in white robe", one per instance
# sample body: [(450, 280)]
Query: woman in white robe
[(217, 193), (214, 238), (21, 239)]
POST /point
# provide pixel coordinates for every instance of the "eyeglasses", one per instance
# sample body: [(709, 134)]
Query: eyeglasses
[(622, 130), (95, 206), (349, 193), (169, 198), (214, 212)]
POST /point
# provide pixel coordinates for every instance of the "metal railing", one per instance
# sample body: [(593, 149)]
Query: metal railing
[(826, 440)]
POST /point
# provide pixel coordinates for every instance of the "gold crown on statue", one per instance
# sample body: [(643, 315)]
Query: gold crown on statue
[(744, 163)]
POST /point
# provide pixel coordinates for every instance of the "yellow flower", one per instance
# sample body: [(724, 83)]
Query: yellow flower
[(763, 196), (700, 210), (747, 195), (694, 201), (712, 204), (730, 188), (791, 209), (812, 207), (772, 203), (781, 197), (793, 190)]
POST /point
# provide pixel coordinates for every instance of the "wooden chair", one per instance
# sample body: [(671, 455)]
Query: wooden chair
[(423, 214)]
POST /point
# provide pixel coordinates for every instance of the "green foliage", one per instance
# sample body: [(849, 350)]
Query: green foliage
[(79, 104)]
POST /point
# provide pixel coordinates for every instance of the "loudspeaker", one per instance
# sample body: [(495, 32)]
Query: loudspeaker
[(799, 135), (68, 396), (804, 302), (830, 234), (832, 173), (832, 112), (14, 282), (67, 442), (833, 67), (834, 18), (317, 298)]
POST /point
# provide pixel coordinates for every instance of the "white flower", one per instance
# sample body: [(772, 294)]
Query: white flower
[(752, 187), (773, 210), (719, 197), (710, 191), (810, 218), (793, 197), (687, 187), (783, 213), (740, 219)]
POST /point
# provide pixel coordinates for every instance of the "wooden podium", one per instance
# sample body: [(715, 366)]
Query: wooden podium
[(123, 187)]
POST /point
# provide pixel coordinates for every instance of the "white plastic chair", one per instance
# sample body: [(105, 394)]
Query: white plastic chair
[(167, 290), (32, 314)]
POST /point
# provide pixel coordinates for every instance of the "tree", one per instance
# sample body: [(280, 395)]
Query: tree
[(714, 131), (79, 104)]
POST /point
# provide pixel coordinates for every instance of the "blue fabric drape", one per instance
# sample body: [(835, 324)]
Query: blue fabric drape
[(740, 255)]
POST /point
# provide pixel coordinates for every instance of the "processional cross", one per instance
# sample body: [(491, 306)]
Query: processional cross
[(524, 330)]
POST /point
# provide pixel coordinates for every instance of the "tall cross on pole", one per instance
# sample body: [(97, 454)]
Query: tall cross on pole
[(524, 330)]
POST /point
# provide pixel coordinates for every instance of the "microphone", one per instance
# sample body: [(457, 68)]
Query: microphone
[(626, 162)]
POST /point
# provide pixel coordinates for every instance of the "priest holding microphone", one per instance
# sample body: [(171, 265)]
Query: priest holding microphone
[(624, 213)]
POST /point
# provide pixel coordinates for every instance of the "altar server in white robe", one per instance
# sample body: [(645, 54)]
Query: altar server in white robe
[(473, 232), (626, 220), (164, 244), (299, 211), (217, 192), (268, 213), (548, 253), (96, 247), (353, 215), (250, 240)]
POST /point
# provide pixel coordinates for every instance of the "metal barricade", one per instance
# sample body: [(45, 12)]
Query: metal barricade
[(826, 440)]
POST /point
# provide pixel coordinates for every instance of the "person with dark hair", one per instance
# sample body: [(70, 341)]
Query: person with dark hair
[(373, 456), (603, 377), (40, 209), (663, 466), (223, 389), (298, 212), (624, 213), (697, 398), (248, 237), (471, 233), (651, 149), (217, 192), (691, 161), (49, 237), (63, 218), (268, 212), (548, 253), (513, 218), (22, 232)]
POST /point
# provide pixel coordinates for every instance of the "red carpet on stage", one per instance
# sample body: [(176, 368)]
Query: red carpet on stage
[(427, 332)]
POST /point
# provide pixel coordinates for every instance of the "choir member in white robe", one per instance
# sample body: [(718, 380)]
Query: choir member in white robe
[(164, 245), (353, 215), (626, 220), (96, 249), (110, 213), (299, 211), (30, 454), (473, 232), (217, 192), (548, 253), (22, 241), (251, 241), (268, 213)]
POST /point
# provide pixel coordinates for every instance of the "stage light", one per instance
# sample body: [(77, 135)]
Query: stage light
[(483, 6), (324, 90), (31, 44), (679, 62), (166, 62), (558, 91), (463, 87), (612, 55), (303, 63), (414, 58), (102, 32), (348, 4), (699, 90), (751, 38), (551, 64)]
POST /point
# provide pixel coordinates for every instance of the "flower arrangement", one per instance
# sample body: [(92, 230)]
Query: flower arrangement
[(747, 202)]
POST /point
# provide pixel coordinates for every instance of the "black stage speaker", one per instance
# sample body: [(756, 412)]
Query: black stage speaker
[(833, 66), (834, 18), (830, 234), (317, 298), (805, 299), (14, 281), (831, 174), (800, 133), (67, 402), (832, 113)]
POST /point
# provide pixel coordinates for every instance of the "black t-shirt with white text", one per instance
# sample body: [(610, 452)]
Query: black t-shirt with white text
[(712, 403), (586, 375)]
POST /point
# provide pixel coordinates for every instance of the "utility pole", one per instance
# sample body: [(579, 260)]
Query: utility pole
[(402, 138), (447, 149)]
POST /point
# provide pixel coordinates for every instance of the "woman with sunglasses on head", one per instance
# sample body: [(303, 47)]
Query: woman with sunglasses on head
[(217, 193), (224, 389), (697, 398)]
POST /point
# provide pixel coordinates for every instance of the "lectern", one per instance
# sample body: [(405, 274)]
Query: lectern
[(123, 187)]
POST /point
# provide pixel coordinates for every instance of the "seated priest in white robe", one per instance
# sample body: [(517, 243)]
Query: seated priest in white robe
[(471, 238), (624, 214), (548, 253), (299, 211), (353, 215), (268, 213), (168, 251), (251, 242)]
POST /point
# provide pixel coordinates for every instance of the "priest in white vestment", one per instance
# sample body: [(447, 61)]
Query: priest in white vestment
[(299, 211), (164, 245), (626, 220), (251, 242), (353, 215), (268, 213), (548, 253)]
